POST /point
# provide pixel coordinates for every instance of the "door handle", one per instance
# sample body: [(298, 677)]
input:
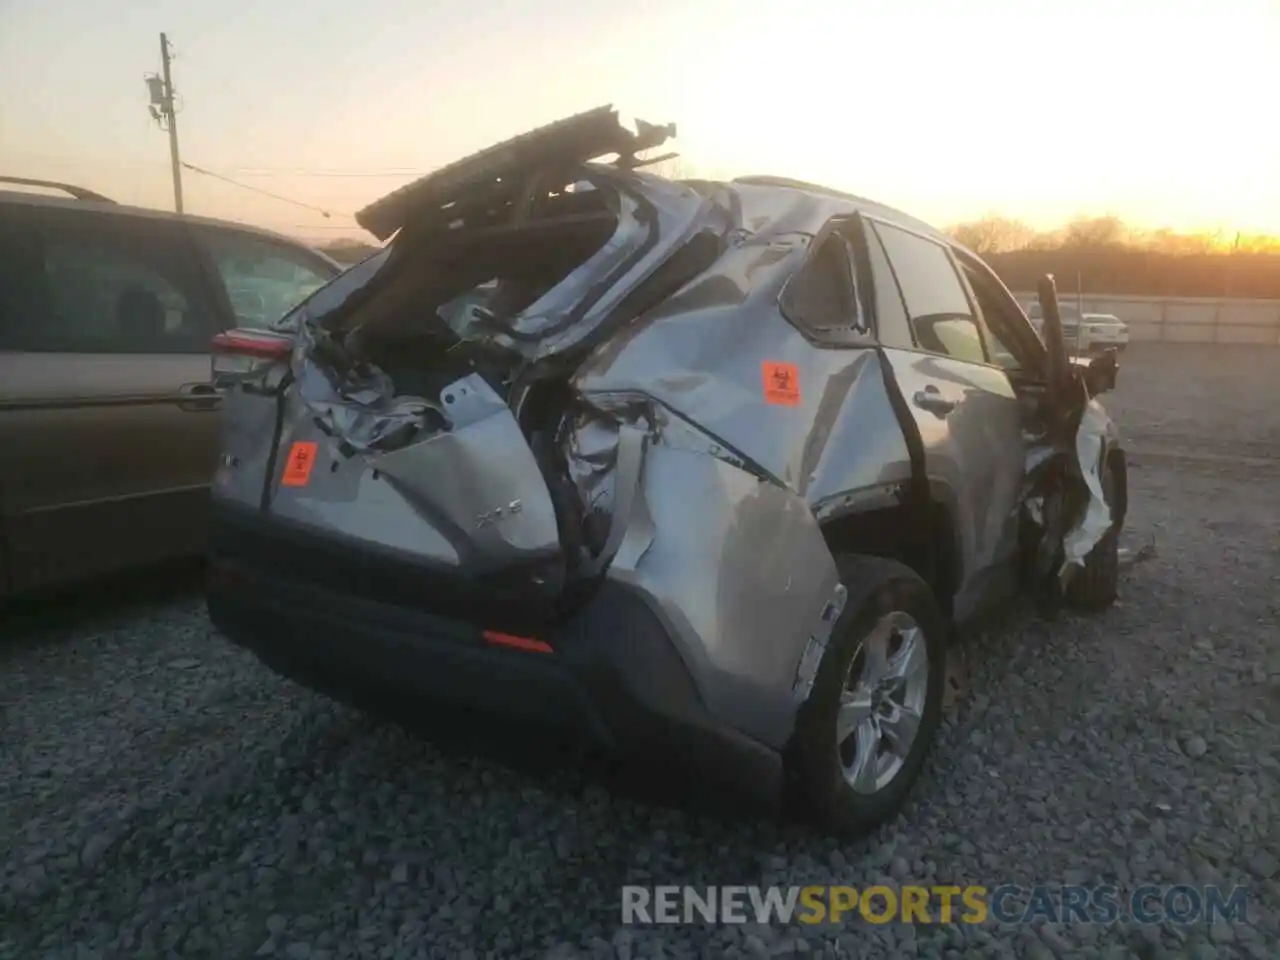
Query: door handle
[(196, 397), (931, 399)]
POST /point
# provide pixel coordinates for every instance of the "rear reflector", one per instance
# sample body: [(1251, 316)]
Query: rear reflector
[(528, 644)]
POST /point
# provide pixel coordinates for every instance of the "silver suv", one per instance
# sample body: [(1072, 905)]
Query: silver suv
[(710, 471)]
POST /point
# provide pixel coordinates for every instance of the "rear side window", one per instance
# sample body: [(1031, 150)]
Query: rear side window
[(821, 298), (264, 279), (939, 310), (73, 282)]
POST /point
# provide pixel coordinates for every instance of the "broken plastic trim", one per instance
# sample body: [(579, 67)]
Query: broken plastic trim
[(1065, 501), (1096, 519), (816, 648)]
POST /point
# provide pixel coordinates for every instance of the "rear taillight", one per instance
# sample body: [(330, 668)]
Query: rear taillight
[(244, 354)]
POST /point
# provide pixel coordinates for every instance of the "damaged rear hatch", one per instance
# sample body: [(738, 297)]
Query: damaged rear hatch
[(419, 410)]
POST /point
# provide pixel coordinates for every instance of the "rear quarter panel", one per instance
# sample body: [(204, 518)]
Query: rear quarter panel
[(707, 355)]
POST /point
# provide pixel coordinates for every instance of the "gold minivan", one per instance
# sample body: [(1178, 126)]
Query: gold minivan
[(108, 417)]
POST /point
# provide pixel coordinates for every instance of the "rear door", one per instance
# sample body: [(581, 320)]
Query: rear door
[(107, 418), (964, 406)]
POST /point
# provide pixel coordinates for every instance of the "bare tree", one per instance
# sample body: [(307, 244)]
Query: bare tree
[(1108, 231), (993, 234)]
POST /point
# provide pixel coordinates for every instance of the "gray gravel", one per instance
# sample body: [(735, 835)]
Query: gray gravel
[(163, 795)]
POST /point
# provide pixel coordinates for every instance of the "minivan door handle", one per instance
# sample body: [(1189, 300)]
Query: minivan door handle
[(931, 399), (197, 397)]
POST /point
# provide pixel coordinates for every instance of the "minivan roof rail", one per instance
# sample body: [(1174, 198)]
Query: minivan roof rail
[(79, 193)]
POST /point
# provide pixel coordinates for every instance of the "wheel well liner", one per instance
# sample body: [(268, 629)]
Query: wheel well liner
[(918, 535)]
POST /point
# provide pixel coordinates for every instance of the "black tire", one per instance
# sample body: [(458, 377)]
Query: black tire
[(820, 792), (1096, 587)]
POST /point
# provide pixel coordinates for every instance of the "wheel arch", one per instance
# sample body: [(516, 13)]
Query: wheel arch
[(920, 534)]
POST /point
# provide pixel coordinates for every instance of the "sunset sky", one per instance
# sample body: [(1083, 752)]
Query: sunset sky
[(1162, 113)]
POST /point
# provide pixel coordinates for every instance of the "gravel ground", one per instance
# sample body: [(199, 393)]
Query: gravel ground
[(163, 795)]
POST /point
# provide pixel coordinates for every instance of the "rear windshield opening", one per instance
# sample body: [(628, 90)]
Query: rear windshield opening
[(449, 285)]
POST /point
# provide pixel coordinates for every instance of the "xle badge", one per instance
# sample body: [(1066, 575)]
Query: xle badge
[(781, 383), (297, 468)]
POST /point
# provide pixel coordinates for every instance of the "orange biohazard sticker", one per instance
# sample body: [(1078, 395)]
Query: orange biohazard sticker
[(297, 468), (781, 383)]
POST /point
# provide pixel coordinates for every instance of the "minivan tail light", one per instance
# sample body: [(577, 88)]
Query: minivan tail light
[(245, 354)]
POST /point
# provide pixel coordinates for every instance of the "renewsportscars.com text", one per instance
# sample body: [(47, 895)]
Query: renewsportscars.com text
[(1006, 904)]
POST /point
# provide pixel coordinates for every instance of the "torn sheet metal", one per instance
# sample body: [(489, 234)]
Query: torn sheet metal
[(816, 648), (656, 217), (740, 572), (357, 402), (334, 294), (1096, 520), (590, 442), (358, 405)]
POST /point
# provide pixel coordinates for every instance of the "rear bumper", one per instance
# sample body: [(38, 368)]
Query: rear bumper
[(612, 679)]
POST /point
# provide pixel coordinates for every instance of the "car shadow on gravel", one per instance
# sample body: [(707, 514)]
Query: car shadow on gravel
[(551, 761), (546, 760), (44, 616)]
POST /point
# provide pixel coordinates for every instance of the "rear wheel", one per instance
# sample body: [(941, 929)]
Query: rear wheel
[(863, 734)]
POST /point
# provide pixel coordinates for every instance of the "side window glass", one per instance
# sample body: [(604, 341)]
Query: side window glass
[(893, 328), (998, 316), (264, 280), (102, 284), (820, 298), (941, 317), (1001, 355), (1014, 339)]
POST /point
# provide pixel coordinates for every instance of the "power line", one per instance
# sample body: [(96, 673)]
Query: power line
[(266, 193)]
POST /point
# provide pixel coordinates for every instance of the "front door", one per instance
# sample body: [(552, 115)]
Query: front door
[(968, 415)]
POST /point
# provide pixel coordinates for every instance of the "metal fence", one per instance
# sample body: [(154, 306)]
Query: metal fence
[(1185, 319)]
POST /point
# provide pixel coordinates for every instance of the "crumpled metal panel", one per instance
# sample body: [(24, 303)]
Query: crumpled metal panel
[(362, 408), (653, 213), (702, 355), (1093, 525), (471, 497), (1095, 431), (738, 572), (345, 496), (655, 218)]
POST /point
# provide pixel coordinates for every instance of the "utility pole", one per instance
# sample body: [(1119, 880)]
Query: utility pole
[(163, 112)]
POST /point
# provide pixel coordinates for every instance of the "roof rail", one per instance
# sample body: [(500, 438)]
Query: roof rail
[(79, 193)]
